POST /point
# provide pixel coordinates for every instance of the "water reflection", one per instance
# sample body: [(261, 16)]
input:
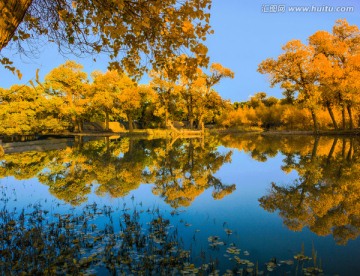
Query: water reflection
[(185, 169), (326, 195), (180, 170), (102, 240)]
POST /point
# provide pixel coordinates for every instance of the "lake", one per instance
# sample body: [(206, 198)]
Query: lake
[(233, 204)]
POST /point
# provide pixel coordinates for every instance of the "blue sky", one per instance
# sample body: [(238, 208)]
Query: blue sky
[(244, 36)]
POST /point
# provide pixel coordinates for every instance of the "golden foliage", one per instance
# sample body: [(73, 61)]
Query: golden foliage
[(126, 31), (321, 74)]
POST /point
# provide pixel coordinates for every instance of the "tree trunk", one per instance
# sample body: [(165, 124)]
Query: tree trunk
[(131, 146), (313, 115), (200, 122), (107, 142), (80, 125), (107, 120), (12, 14), (191, 123), (190, 114), (190, 117), (75, 124), (328, 106), (79, 142), (350, 116), (343, 117), (343, 147), (331, 151), (191, 156), (349, 156), (131, 126), (315, 147)]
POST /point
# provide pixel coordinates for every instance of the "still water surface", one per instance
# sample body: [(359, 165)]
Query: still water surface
[(271, 197)]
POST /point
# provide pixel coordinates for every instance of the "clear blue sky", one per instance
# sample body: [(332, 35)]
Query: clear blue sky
[(244, 36)]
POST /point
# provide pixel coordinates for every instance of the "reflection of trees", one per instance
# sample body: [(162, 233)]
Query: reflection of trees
[(186, 169), (118, 176), (116, 166), (119, 167), (263, 147), (24, 165), (68, 176), (326, 196)]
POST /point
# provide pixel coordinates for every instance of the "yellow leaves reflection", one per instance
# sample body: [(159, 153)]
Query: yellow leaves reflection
[(180, 171), (325, 197)]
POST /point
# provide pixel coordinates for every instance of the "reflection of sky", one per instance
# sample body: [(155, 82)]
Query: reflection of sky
[(254, 229)]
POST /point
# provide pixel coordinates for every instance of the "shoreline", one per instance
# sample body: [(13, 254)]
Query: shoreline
[(347, 132), (188, 133)]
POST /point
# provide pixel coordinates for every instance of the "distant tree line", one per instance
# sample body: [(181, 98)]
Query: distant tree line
[(67, 98), (320, 83)]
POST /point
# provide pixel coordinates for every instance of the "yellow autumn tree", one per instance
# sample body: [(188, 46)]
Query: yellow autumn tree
[(114, 94), (335, 54), (295, 72), (25, 110), (201, 100), (330, 74), (68, 84), (168, 93), (126, 30)]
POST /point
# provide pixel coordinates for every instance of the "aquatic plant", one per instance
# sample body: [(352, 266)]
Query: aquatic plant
[(113, 240)]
